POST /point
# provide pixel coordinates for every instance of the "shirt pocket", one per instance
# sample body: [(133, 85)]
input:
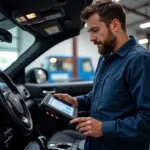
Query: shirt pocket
[(115, 94)]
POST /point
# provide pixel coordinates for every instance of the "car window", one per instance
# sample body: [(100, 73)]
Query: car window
[(58, 61), (60, 64), (9, 52), (87, 66)]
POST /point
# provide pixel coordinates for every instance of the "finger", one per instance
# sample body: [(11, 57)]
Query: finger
[(77, 120), (47, 113), (84, 129), (58, 95), (56, 117), (81, 125), (52, 115), (88, 133), (63, 97)]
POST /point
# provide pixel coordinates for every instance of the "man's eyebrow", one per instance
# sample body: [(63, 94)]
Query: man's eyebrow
[(92, 29)]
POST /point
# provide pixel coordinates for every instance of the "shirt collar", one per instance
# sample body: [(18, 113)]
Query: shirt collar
[(122, 51)]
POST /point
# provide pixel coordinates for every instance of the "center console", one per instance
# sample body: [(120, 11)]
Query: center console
[(62, 146), (44, 145)]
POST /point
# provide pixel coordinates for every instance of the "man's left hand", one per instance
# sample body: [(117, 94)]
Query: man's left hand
[(88, 126)]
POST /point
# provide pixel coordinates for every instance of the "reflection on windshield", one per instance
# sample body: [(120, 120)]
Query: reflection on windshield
[(9, 52)]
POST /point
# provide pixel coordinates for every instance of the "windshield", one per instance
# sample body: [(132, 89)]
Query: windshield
[(9, 52)]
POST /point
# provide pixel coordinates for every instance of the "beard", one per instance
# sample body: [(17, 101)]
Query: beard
[(108, 45)]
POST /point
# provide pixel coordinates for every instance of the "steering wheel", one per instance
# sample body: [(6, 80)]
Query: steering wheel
[(15, 108)]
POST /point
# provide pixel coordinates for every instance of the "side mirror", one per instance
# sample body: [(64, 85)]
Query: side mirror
[(37, 75), (5, 36)]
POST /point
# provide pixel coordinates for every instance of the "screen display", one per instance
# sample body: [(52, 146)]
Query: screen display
[(61, 106)]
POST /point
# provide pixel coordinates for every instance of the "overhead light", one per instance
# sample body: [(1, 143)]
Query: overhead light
[(116, 0), (145, 25), (31, 16), (143, 41), (21, 19)]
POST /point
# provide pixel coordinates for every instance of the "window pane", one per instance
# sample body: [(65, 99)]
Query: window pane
[(86, 65), (9, 52)]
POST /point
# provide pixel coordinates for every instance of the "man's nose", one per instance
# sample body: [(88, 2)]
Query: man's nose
[(92, 38)]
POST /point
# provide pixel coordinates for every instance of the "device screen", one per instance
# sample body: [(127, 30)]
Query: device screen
[(61, 106)]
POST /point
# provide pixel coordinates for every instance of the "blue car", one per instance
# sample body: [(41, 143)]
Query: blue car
[(60, 68)]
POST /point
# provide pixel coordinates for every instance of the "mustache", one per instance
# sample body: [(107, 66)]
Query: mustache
[(97, 43)]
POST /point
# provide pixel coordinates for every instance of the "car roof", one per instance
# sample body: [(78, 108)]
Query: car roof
[(44, 18)]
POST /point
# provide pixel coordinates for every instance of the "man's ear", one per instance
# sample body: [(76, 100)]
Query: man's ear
[(115, 25)]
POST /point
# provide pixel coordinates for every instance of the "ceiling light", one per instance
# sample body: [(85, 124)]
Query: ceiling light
[(145, 25), (21, 19), (116, 0), (143, 41), (31, 16)]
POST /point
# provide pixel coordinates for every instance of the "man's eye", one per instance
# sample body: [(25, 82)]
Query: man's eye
[(95, 30)]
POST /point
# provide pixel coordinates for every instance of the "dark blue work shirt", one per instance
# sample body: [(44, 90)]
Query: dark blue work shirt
[(120, 99)]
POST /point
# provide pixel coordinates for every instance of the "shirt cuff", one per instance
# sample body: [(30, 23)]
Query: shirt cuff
[(81, 103), (108, 130)]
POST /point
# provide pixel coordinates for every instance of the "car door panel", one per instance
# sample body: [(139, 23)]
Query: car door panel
[(38, 91)]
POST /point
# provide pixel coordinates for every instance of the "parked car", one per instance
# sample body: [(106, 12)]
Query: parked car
[(60, 69)]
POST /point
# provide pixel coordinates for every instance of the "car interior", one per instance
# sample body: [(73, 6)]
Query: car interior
[(23, 124), (33, 28)]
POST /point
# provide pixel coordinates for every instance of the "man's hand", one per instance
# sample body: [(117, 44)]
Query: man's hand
[(67, 98), (88, 126)]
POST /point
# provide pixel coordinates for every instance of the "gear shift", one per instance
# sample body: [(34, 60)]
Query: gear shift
[(42, 141)]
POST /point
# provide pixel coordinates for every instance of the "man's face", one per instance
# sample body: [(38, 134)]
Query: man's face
[(101, 35)]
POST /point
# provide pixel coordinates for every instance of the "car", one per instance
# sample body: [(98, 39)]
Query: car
[(42, 25), (60, 68)]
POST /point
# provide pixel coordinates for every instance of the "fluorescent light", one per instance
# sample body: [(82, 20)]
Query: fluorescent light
[(116, 0), (145, 25), (143, 41)]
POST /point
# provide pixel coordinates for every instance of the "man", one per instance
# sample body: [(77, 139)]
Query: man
[(119, 102)]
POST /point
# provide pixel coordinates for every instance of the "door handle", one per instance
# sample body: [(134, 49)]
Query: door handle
[(46, 91)]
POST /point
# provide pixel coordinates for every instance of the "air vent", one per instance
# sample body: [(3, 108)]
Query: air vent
[(27, 94)]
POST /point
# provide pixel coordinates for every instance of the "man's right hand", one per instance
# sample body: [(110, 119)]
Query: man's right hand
[(66, 98)]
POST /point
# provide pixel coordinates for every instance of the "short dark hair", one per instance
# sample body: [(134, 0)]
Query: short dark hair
[(107, 10)]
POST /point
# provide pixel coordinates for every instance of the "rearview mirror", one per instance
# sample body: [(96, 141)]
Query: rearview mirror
[(5, 36)]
